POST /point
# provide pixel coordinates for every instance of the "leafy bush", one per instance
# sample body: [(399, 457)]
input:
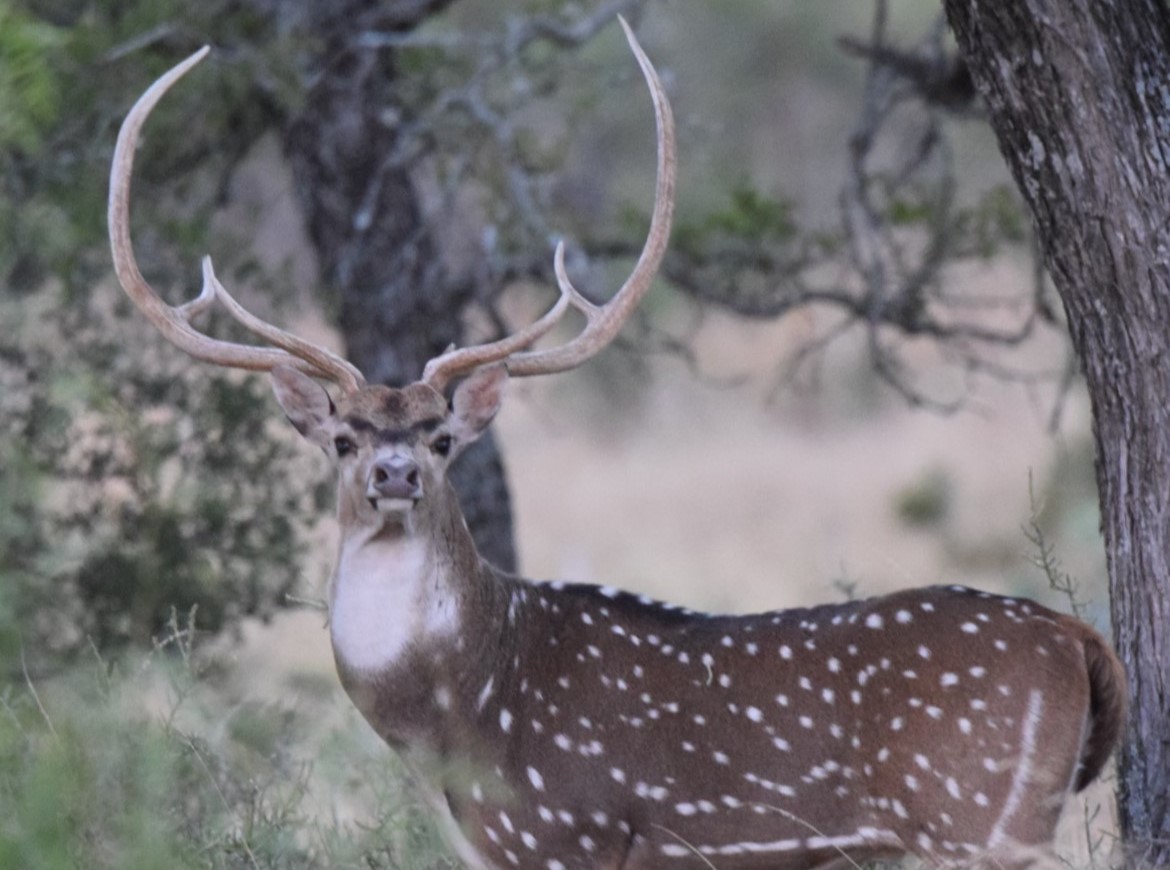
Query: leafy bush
[(87, 779), (131, 484), (927, 501)]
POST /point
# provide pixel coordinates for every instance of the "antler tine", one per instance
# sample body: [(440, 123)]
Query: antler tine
[(603, 322), (318, 361), (174, 321), (442, 369)]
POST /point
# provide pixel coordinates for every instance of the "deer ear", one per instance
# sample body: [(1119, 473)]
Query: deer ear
[(305, 402), (476, 401)]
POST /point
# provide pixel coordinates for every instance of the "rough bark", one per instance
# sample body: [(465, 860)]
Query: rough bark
[(1078, 92), (398, 304)]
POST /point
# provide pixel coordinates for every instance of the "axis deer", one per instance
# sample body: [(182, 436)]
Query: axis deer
[(565, 726)]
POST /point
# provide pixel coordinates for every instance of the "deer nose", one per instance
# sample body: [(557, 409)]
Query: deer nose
[(394, 477)]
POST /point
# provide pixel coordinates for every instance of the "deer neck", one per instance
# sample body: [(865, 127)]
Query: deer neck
[(402, 599)]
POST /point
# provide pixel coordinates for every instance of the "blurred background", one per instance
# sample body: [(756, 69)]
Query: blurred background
[(852, 376)]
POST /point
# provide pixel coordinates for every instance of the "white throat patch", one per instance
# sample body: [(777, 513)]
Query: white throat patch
[(385, 597)]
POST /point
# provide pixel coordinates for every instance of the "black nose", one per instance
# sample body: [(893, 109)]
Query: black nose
[(395, 477)]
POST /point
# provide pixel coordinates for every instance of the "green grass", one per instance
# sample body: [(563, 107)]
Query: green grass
[(146, 763)]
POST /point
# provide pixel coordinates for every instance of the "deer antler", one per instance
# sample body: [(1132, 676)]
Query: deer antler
[(603, 322), (174, 322)]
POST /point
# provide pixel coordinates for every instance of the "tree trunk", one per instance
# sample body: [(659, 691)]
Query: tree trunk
[(1078, 93), (398, 304)]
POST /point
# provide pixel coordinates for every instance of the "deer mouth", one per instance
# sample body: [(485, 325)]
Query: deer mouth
[(393, 496), (385, 504)]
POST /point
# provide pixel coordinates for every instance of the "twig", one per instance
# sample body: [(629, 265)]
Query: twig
[(11, 713), (314, 603), (795, 818), (1046, 560), (104, 668), (686, 843), (223, 799), (136, 43), (36, 697)]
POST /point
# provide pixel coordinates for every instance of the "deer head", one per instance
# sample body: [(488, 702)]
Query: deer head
[(392, 447), (382, 475)]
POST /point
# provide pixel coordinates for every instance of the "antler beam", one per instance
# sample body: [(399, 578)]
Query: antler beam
[(174, 322)]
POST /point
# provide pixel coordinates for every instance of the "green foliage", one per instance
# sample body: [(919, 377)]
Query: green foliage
[(65, 85), (980, 229), (132, 484), (30, 92), (750, 218), (926, 502), (87, 793), (128, 486), (996, 219), (89, 780), (904, 211)]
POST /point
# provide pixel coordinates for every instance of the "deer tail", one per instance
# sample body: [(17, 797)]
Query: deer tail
[(1107, 708)]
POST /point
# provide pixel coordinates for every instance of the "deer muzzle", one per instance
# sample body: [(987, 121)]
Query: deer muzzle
[(394, 478)]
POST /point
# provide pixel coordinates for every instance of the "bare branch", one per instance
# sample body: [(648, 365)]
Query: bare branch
[(902, 229)]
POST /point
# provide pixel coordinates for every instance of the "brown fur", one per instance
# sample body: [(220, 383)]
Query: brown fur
[(1107, 707)]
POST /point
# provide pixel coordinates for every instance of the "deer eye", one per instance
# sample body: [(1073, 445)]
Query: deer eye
[(343, 445), (442, 445)]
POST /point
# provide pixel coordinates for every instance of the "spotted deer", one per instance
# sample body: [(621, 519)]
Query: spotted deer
[(557, 726)]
